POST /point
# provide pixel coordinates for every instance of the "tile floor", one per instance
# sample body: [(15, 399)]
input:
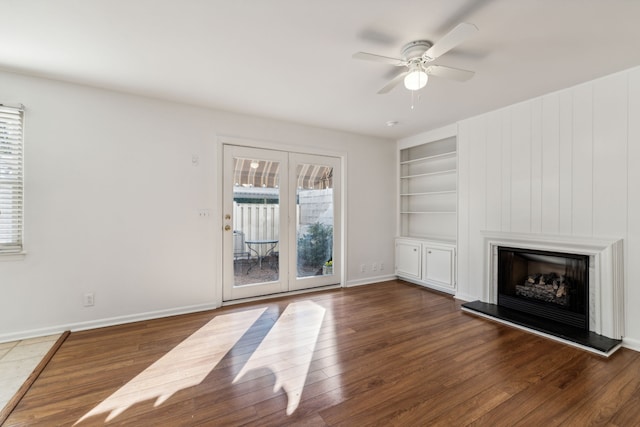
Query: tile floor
[(17, 360)]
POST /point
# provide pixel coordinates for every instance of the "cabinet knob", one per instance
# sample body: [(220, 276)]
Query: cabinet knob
[(415, 250), (428, 252)]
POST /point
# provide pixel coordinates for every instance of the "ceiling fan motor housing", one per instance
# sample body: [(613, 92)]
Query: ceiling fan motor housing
[(415, 49)]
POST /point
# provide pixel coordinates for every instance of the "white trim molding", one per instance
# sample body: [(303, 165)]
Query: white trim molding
[(105, 322), (606, 272), (370, 280), (631, 344)]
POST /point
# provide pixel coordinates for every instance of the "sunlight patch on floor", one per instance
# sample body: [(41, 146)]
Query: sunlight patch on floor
[(288, 348), (184, 366)]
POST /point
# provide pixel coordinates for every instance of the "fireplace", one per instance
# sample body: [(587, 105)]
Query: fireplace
[(566, 288), (551, 285)]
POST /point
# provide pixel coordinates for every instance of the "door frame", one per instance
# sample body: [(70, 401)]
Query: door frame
[(216, 176)]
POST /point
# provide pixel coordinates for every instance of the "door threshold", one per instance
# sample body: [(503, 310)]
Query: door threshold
[(281, 294)]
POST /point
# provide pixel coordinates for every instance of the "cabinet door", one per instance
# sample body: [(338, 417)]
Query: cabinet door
[(408, 259), (438, 266)]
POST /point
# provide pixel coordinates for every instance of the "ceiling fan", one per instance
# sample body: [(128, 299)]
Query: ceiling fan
[(417, 56)]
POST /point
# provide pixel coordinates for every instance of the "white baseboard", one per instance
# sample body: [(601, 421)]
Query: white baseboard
[(369, 280), (631, 344), (100, 323), (443, 289), (465, 297)]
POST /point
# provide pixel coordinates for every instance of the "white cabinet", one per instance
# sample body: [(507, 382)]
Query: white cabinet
[(438, 263), (408, 259), (427, 263)]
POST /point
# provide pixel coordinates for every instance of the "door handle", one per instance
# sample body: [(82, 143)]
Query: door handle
[(227, 227)]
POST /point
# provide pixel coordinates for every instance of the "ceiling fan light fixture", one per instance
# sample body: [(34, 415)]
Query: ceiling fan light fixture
[(416, 79)]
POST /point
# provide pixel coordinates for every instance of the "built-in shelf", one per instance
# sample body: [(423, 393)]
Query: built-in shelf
[(431, 238), (444, 172), (428, 190), (429, 193), (423, 159), (428, 212)]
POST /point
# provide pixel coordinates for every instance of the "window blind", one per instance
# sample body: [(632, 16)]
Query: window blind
[(11, 179)]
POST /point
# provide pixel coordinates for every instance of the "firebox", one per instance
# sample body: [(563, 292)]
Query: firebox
[(551, 285)]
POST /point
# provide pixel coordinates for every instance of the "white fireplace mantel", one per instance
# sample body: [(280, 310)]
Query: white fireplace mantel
[(606, 272)]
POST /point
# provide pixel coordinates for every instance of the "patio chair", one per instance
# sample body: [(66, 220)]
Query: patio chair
[(274, 260), (240, 252)]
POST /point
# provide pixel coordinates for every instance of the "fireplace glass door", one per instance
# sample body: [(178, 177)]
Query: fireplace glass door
[(551, 285)]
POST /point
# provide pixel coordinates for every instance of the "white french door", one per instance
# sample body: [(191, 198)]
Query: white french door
[(314, 226), (281, 222)]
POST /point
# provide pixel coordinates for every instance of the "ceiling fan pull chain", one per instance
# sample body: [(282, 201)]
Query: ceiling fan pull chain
[(413, 100)]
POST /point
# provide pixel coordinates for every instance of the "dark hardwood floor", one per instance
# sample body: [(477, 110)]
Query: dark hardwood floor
[(384, 354)]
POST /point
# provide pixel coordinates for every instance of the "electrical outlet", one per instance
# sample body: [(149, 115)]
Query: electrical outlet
[(363, 268), (88, 299), (381, 266), (374, 267), (204, 213)]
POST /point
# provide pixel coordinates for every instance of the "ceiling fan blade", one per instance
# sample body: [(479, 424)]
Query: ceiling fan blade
[(449, 73), (379, 58), (393, 83), (450, 40)]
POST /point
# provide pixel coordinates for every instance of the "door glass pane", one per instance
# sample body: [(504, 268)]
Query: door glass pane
[(256, 219), (314, 220)]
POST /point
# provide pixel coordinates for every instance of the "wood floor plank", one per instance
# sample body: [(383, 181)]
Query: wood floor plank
[(385, 354), (605, 402), (594, 377), (628, 413)]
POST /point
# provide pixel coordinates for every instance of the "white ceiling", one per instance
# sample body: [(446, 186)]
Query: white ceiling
[(291, 59)]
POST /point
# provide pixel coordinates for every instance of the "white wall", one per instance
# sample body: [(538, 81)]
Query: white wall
[(112, 199), (562, 164)]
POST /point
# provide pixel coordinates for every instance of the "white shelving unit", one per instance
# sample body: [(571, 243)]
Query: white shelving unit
[(426, 245), (428, 190)]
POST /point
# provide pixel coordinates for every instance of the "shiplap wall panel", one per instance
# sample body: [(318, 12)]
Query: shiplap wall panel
[(583, 144), (462, 263), (506, 169), (582, 161), (610, 156), (550, 163), (564, 152), (477, 189), (632, 242), (536, 166), (521, 168), (493, 172)]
